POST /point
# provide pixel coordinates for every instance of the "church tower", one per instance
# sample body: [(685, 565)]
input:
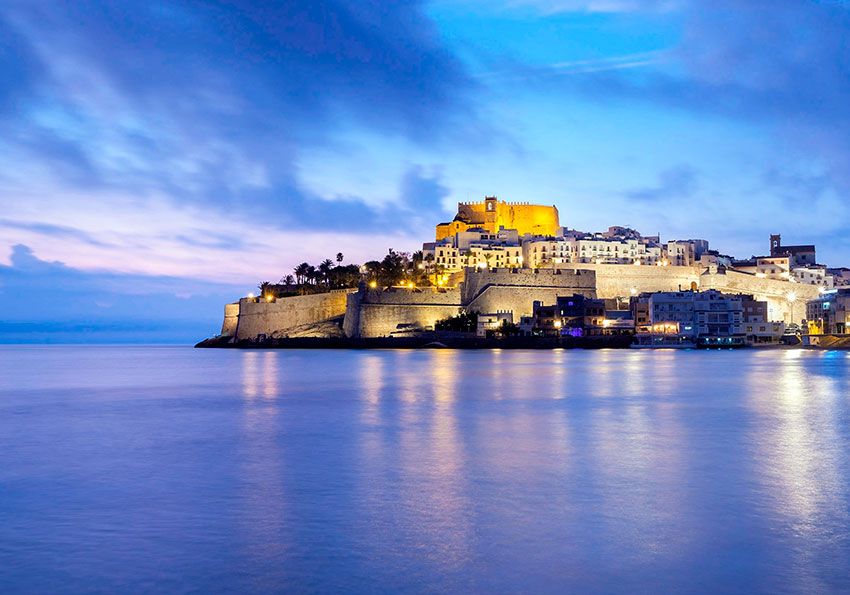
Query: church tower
[(775, 244)]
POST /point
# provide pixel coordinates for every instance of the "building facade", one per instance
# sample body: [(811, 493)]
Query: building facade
[(493, 214)]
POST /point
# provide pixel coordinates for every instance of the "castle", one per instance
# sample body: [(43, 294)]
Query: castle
[(501, 257), (492, 214)]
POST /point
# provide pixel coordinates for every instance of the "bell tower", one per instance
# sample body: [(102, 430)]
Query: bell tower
[(775, 244), (491, 213)]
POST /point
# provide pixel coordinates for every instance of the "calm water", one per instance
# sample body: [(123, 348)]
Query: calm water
[(173, 469)]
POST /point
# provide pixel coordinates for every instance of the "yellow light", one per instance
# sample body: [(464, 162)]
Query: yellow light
[(633, 290), (251, 295), (373, 284), (557, 324), (606, 323), (792, 297), (269, 297)]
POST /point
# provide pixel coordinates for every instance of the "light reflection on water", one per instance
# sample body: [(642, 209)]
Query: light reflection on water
[(537, 471)]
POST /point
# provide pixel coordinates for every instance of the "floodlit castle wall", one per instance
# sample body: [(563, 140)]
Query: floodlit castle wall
[(257, 317)]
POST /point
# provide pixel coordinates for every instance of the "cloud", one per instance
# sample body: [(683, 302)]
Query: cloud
[(59, 232), (44, 301), (603, 6), (674, 183), (214, 103), (783, 65)]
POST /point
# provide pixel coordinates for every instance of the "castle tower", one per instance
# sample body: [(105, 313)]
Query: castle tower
[(491, 213)]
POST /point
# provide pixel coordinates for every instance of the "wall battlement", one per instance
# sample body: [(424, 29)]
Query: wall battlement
[(492, 214)]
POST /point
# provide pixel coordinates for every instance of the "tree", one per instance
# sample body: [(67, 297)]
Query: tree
[(312, 274), (394, 267), (466, 322), (301, 273), (325, 270), (339, 257), (509, 329), (266, 289), (288, 280)]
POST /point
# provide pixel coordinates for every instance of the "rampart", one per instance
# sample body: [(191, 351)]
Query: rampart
[(515, 290), (252, 317), (231, 320), (622, 280), (378, 313)]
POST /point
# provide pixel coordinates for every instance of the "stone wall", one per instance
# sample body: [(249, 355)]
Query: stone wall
[(535, 219), (257, 317), (378, 312), (515, 290), (231, 320), (623, 280)]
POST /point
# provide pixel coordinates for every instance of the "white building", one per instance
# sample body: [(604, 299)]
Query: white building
[(813, 275), (573, 249), (492, 322)]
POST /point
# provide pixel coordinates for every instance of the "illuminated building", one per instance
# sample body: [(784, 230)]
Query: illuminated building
[(830, 313), (492, 214), (575, 316)]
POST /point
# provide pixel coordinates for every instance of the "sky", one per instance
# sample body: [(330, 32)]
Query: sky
[(158, 159)]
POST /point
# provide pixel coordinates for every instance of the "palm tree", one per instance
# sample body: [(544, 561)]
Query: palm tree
[(266, 289), (312, 274), (325, 270), (339, 257), (301, 272), (288, 280)]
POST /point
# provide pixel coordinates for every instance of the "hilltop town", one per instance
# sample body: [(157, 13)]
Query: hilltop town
[(509, 270)]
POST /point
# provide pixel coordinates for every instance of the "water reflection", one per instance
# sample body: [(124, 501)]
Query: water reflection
[(419, 444), (355, 471), (799, 457), (260, 374), (261, 514)]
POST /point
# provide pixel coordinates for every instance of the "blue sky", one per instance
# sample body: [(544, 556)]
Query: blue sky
[(158, 159)]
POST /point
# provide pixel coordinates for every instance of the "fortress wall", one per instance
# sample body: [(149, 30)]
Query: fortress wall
[(515, 290), (473, 211), (517, 300), (536, 219), (275, 318), (377, 313), (565, 281), (231, 319), (618, 280), (380, 320)]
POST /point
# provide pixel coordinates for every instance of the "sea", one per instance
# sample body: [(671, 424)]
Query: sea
[(167, 469)]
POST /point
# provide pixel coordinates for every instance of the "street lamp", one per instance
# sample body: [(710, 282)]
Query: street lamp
[(792, 298)]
